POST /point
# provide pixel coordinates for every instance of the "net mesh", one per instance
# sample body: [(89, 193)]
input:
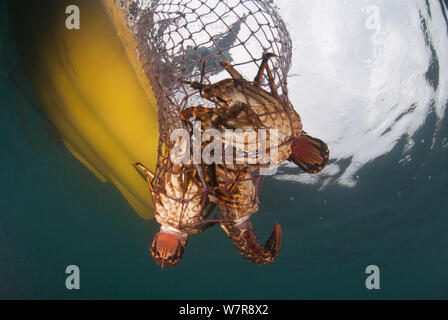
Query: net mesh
[(185, 40)]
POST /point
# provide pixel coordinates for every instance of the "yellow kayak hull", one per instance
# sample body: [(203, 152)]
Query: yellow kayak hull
[(92, 88)]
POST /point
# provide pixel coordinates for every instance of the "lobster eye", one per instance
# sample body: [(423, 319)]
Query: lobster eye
[(167, 249)]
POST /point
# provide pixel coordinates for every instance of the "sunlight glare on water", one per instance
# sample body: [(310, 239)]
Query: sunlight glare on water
[(365, 74)]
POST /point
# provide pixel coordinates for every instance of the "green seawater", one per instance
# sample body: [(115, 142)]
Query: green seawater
[(55, 213)]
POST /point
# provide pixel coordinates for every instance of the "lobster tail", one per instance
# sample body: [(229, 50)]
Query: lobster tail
[(246, 242)]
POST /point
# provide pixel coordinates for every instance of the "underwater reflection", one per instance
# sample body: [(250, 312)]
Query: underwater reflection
[(365, 75)]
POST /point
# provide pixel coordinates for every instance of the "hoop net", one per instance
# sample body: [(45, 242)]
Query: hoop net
[(185, 40)]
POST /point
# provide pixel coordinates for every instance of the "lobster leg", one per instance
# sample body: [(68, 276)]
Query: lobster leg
[(202, 87), (148, 174), (265, 66), (272, 85), (231, 70)]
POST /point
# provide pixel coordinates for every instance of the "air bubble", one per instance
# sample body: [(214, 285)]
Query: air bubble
[(445, 143)]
